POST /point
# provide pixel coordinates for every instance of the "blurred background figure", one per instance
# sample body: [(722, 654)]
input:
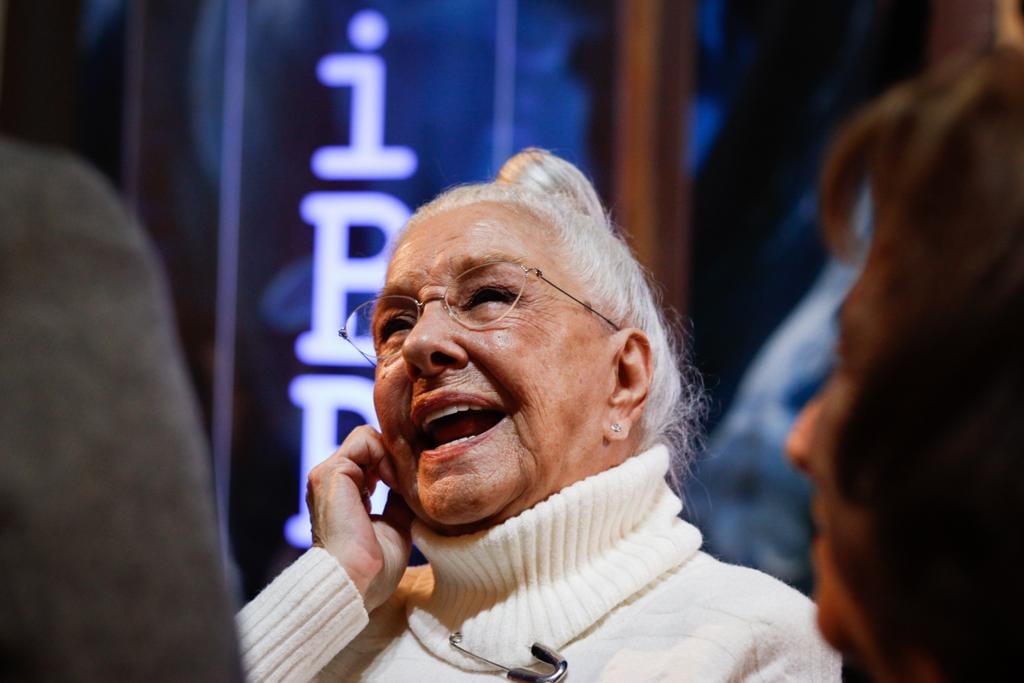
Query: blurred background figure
[(272, 146), (915, 443), (108, 547), (764, 294), (1010, 22)]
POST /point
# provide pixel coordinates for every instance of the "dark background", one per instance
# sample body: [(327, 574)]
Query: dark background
[(139, 90)]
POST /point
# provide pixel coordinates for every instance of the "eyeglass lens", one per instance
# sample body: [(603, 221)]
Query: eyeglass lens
[(479, 297)]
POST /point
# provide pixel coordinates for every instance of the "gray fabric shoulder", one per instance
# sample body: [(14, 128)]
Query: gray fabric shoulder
[(50, 190), (108, 549)]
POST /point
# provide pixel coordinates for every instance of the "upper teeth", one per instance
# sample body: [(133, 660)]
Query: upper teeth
[(450, 410)]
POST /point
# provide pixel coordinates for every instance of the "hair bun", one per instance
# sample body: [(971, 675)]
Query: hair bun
[(541, 171)]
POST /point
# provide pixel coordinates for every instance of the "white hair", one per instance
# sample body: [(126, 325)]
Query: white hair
[(552, 189)]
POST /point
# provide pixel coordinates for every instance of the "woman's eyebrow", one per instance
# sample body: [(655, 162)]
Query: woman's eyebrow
[(456, 266), (390, 290), (460, 264)]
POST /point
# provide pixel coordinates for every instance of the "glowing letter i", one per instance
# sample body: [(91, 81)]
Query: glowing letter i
[(365, 157)]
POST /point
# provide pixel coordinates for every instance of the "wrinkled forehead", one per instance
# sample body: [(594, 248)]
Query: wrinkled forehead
[(441, 246)]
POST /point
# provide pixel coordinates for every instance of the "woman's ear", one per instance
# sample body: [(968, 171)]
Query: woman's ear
[(632, 383)]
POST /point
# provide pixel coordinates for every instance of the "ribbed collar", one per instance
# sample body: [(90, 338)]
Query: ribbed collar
[(551, 572)]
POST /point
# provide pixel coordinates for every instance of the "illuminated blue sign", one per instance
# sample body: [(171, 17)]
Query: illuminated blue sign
[(338, 276)]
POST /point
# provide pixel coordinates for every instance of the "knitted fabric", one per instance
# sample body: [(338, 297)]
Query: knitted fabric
[(551, 572)]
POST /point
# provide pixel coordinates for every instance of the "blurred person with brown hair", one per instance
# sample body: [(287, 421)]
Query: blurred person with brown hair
[(916, 444)]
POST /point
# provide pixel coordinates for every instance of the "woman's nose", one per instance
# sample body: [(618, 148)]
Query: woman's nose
[(434, 344), (799, 442)]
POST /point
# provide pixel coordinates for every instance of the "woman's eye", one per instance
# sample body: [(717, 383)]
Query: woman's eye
[(491, 294), (392, 326)]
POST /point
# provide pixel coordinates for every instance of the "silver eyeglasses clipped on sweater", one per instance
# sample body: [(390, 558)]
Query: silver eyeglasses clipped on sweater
[(543, 653), (478, 298)]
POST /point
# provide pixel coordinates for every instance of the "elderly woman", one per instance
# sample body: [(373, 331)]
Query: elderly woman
[(529, 394), (916, 444)]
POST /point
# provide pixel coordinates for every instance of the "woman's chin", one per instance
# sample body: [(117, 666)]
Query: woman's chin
[(460, 504), (454, 515)]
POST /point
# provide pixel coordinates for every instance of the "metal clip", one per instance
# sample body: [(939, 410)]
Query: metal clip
[(542, 652)]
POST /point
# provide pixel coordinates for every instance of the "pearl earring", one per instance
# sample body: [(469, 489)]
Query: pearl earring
[(616, 427)]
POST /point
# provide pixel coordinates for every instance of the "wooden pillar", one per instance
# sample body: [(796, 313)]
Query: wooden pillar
[(656, 55)]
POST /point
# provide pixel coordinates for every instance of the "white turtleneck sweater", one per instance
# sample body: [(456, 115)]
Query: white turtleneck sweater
[(603, 571)]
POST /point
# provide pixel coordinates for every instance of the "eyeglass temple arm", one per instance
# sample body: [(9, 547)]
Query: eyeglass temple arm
[(343, 333), (538, 273)]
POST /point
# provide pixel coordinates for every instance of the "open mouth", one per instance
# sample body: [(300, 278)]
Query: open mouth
[(458, 423)]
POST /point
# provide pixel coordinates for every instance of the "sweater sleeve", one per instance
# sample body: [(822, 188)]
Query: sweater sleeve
[(301, 620)]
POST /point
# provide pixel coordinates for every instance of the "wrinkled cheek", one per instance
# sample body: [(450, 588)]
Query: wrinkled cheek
[(389, 403), (407, 480), (500, 341), (389, 396)]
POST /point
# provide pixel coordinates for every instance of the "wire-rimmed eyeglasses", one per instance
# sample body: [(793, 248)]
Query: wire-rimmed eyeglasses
[(478, 298)]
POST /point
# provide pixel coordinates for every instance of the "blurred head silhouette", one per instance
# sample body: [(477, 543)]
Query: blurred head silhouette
[(916, 443)]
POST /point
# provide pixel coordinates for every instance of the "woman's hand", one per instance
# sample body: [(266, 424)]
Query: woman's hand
[(373, 550)]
